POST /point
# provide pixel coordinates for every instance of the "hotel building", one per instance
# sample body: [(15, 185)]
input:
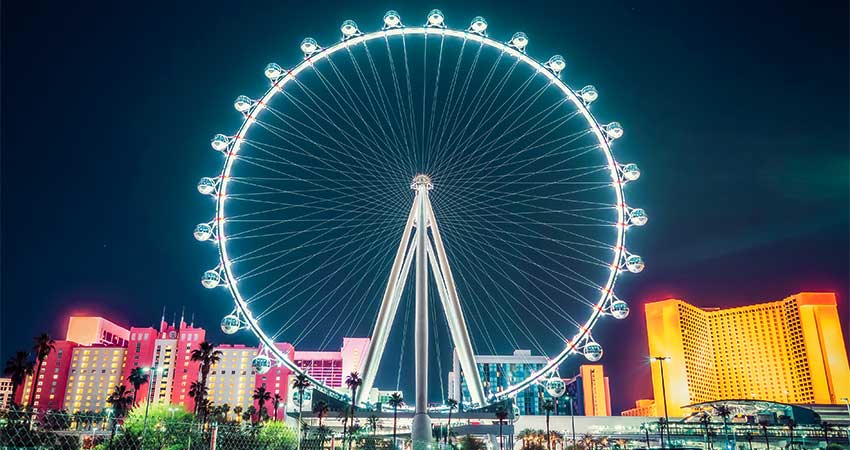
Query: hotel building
[(6, 394), (231, 381), (52, 379), (95, 371), (789, 351), (588, 389)]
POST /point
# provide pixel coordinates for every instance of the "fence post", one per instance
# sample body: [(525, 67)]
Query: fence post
[(213, 436)]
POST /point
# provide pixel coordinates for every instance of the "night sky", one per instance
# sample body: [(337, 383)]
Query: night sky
[(736, 112)]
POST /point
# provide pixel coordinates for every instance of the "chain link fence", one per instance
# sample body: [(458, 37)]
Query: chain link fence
[(24, 429)]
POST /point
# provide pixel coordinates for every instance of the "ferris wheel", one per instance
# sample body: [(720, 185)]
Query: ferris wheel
[(414, 160)]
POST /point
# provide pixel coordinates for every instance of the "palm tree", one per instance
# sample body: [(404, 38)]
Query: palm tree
[(44, 344), (501, 414), (353, 382), (225, 410), (452, 403), (197, 391), (373, 424), (261, 395), (18, 368), (548, 406), (137, 378), (276, 400), (238, 411), (724, 411), (344, 414), (396, 400), (320, 409), (249, 413), (749, 436), (705, 421), (300, 382), (208, 356), (763, 424), (120, 400)]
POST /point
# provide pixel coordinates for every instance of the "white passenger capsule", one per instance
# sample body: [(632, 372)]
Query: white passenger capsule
[(592, 351), (635, 264), (614, 130), (220, 142), (392, 19), (619, 309), (478, 25), (631, 172), (349, 29), (207, 185), (556, 63), (211, 279), (202, 232), (588, 94), (436, 18), (519, 41), (261, 364), (273, 71), (243, 103), (230, 324), (556, 387), (309, 46), (638, 217)]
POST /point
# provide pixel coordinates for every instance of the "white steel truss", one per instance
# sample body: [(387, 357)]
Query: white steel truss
[(429, 251)]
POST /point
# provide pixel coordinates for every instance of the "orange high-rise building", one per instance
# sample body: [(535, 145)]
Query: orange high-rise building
[(789, 351)]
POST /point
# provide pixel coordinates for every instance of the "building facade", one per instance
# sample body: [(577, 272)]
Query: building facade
[(231, 381), (52, 379), (789, 351), (87, 330), (6, 393), (94, 373)]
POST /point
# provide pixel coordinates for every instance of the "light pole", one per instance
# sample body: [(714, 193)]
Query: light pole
[(153, 371), (661, 360), (572, 418)]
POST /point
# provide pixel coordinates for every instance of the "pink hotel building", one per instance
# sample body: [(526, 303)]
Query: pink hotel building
[(97, 354)]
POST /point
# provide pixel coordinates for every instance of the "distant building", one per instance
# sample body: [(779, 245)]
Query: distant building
[(788, 351), (86, 330), (52, 379), (592, 393), (6, 393), (500, 371), (95, 371), (643, 408), (231, 381), (140, 351)]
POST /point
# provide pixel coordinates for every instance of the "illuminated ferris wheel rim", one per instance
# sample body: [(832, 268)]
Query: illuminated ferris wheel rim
[(351, 37)]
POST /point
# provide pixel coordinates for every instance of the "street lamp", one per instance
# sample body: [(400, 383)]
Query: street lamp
[(661, 360), (153, 371)]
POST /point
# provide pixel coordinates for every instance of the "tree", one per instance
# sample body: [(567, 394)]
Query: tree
[(472, 443), (300, 383), (261, 395), (396, 400), (249, 413), (18, 368), (225, 410), (373, 424), (501, 414), (320, 409), (44, 344), (724, 411), (137, 378), (705, 421), (208, 356), (344, 414), (237, 410), (452, 404), (120, 400), (548, 406), (197, 391), (276, 401), (749, 436), (353, 382)]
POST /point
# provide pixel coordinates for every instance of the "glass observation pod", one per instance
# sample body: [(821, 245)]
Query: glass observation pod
[(478, 25), (638, 217), (349, 28), (230, 324), (243, 103), (273, 71), (588, 94), (619, 309), (392, 19), (556, 387), (631, 172), (211, 279), (220, 142), (207, 185), (202, 232), (634, 264), (262, 364), (436, 18), (592, 351), (614, 130)]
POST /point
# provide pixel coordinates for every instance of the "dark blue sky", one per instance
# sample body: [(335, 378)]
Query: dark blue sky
[(736, 112)]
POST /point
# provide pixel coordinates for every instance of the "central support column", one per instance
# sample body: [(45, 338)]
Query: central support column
[(421, 427)]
